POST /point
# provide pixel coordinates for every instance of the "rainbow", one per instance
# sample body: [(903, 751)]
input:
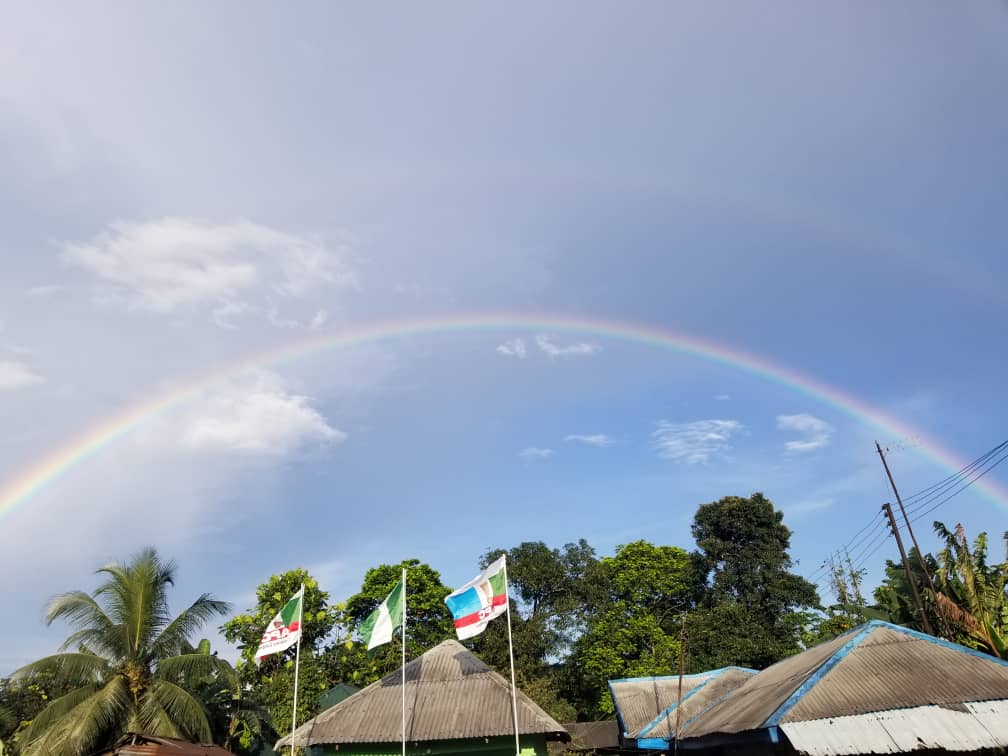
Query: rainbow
[(23, 487)]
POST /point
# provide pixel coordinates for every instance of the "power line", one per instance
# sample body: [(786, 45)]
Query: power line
[(963, 487), (873, 535), (920, 498), (957, 485)]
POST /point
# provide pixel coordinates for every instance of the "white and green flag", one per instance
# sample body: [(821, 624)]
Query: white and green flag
[(377, 628)]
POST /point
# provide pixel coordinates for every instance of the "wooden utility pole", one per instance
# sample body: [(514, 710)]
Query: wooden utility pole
[(899, 500), (913, 538), (887, 508)]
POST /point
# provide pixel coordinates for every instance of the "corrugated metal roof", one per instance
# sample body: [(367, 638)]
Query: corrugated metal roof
[(976, 726), (450, 694), (753, 702), (589, 736), (151, 745), (890, 669), (643, 703), (713, 689), (873, 668)]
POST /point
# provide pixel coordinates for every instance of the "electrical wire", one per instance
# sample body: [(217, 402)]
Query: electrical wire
[(963, 487)]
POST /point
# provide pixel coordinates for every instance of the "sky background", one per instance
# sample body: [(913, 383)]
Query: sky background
[(184, 186)]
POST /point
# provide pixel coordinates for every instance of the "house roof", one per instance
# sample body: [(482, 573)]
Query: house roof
[(151, 745), (450, 694), (590, 736), (646, 706), (873, 668)]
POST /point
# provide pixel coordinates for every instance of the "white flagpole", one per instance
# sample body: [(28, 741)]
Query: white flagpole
[(403, 661), (514, 693), (297, 663)]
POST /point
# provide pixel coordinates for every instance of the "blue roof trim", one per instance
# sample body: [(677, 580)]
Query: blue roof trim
[(619, 715), (657, 720), (860, 633), (652, 744), (676, 677), (714, 703)]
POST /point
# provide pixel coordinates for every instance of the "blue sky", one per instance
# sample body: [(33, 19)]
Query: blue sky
[(183, 186)]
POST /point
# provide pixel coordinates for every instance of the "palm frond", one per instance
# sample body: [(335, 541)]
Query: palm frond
[(55, 711), (182, 708), (134, 594), (93, 722), (82, 611), (174, 639), (151, 719), (67, 668), (95, 641), (191, 667)]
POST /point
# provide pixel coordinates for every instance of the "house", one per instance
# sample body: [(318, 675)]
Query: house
[(151, 745), (878, 688), (602, 737), (455, 704), (648, 708)]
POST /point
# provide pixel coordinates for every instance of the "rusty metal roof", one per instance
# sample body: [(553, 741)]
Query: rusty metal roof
[(873, 668), (646, 705), (151, 745), (450, 694), (591, 736)]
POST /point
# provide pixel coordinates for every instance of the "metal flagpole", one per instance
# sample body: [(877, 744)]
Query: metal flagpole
[(514, 694), (403, 661), (297, 663)]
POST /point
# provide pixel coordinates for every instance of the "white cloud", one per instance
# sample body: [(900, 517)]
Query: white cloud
[(534, 452), (722, 398), (220, 314), (550, 348), (694, 442), (177, 263), (258, 419), (15, 375), (513, 348), (810, 506), (817, 432), (319, 319), (595, 439), (44, 290)]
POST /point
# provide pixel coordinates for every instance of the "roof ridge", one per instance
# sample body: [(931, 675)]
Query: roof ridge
[(713, 675), (859, 634), (918, 635)]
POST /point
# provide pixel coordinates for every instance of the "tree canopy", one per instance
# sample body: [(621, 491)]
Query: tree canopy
[(579, 620), (129, 665)]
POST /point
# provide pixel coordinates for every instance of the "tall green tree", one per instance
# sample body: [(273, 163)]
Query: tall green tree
[(633, 627), (752, 608), (428, 621), (272, 682), (549, 593), (126, 663)]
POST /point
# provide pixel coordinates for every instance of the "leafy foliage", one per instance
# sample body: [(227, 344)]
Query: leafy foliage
[(129, 666), (745, 583), (272, 681), (633, 627)]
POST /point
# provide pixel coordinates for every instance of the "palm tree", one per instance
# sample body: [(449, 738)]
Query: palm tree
[(127, 663)]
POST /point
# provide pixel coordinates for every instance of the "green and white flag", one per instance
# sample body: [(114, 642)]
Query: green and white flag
[(284, 630), (377, 628)]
